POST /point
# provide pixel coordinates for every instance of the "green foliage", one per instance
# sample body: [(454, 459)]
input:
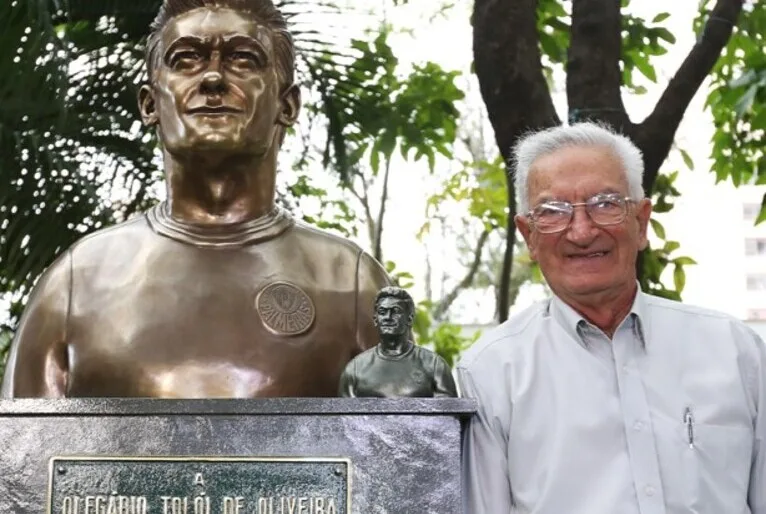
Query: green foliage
[(383, 109), (640, 43), (479, 187), (654, 261), (737, 101), (446, 339)]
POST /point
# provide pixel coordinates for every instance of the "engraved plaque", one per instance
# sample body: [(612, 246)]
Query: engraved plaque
[(198, 485)]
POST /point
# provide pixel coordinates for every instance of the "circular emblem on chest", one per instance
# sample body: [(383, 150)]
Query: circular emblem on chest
[(285, 309)]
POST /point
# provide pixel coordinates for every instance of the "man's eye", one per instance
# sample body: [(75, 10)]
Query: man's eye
[(551, 211), (605, 204)]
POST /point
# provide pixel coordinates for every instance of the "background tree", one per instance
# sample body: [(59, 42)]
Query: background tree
[(601, 49)]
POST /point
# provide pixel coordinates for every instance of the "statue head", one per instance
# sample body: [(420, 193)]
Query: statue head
[(221, 77), (394, 312)]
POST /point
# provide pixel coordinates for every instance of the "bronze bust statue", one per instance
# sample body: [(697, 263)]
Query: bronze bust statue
[(216, 292), (396, 367)]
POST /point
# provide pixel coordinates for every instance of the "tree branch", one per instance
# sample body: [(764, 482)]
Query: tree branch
[(377, 246), (593, 63), (449, 298), (364, 200), (655, 135)]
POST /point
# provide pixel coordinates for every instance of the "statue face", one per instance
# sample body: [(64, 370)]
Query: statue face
[(217, 86), (392, 316)]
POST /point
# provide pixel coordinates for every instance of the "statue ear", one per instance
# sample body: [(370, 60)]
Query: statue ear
[(291, 106), (147, 105)]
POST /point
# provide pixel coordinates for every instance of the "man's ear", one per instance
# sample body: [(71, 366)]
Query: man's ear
[(525, 227), (291, 106), (643, 213), (147, 106)]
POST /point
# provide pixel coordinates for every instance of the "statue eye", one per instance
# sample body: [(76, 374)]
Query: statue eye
[(185, 59), (244, 58)]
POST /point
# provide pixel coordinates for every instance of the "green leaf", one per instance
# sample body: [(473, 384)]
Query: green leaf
[(684, 261), (687, 159), (375, 160), (745, 103), (658, 228), (661, 17), (679, 278), (645, 67), (761, 215), (665, 34)]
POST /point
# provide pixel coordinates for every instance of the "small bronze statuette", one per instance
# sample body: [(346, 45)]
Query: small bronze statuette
[(396, 367)]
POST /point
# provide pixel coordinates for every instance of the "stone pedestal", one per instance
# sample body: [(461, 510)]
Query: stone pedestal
[(390, 456)]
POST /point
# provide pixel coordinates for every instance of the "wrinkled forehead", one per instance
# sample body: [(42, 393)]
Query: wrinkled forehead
[(575, 174), (208, 24)]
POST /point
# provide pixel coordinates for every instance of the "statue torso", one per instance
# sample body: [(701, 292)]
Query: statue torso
[(154, 316), (408, 375)]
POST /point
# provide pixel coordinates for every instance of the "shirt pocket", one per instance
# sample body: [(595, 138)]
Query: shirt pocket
[(719, 464), (709, 476)]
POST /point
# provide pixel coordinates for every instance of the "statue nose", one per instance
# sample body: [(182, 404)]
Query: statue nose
[(212, 81)]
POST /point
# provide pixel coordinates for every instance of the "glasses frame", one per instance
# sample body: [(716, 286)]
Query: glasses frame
[(610, 196)]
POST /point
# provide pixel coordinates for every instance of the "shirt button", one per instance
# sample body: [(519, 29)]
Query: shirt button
[(649, 490), (638, 426)]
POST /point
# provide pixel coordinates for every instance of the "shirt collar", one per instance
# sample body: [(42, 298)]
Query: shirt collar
[(573, 323)]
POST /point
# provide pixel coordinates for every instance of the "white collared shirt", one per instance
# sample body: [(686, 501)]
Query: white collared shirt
[(668, 417)]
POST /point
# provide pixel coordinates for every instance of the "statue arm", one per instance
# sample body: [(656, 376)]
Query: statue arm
[(346, 388), (38, 364), (444, 381), (370, 278)]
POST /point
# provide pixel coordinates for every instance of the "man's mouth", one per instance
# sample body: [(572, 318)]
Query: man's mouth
[(589, 255)]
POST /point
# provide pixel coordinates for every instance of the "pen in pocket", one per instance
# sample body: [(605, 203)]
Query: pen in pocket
[(689, 421)]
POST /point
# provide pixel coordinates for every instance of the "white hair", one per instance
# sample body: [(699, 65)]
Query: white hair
[(538, 144)]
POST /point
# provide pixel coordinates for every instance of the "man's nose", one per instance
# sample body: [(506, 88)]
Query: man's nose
[(581, 230)]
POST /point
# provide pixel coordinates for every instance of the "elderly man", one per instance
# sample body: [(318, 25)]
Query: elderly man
[(603, 399), (216, 292)]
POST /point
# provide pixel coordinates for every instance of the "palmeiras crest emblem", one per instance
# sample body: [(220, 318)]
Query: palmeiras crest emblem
[(285, 309)]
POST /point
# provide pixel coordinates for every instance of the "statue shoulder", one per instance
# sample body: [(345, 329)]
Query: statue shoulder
[(122, 237), (318, 237)]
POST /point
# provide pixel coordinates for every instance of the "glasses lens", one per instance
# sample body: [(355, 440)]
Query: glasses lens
[(607, 210), (552, 216)]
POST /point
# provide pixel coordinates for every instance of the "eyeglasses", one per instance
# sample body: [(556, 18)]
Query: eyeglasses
[(603, 209)]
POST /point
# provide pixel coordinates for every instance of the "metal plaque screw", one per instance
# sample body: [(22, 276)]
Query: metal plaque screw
[(339, 471), (61, 470)]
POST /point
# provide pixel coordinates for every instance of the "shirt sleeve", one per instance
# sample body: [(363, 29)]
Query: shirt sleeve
[(757, 493), (486, 485)]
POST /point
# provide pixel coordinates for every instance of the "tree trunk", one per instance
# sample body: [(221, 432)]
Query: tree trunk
[(507, 61)]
